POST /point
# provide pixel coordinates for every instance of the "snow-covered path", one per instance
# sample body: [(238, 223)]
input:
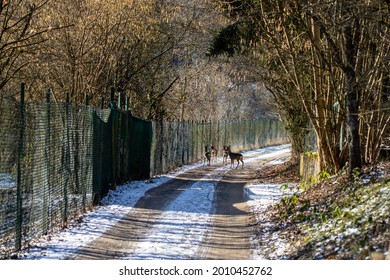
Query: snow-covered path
[(182, 225), (172, 241)]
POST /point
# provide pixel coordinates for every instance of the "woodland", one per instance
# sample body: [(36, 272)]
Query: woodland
[(154, 52), (320, 66)]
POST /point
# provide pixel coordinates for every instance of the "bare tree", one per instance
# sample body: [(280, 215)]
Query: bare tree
[(18, 36), (314, 52)]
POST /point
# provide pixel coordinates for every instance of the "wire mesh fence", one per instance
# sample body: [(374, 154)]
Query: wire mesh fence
[(57, 160), (9, 131), (178, 143)]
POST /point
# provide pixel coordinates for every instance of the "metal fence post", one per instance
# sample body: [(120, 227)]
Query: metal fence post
[(66, 160), (127, 102), (120, 97), (114, 134), (112, 104), (202, 139), (19, 192), (46, 185)]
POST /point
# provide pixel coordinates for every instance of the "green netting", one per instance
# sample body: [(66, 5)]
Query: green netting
[(58, 160), (56, 167), (122, 149), (9, 131), (178, 143)]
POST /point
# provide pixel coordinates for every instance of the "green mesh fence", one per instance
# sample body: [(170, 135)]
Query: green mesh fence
[(46, 169), (56, 168), (121, 149), (9, 131), (178, 143), (57, 160)]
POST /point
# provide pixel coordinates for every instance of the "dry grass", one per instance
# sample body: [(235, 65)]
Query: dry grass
[(338, 218)]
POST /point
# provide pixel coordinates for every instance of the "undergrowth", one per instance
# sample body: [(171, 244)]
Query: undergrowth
[(339, 218)]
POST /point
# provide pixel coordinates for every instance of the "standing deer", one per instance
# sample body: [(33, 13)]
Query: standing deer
[(214, 153), (207, 155), (225, 154), (235, 156)]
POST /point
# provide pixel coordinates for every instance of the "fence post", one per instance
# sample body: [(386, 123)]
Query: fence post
[(183, 161), (120, 97), (218, 137), (210, 126), (224, 133), (112, 104), (127, 103), (19, 192), (66, 161), (46, 185), (114, 134), (202, 139), (244, 134), (193, 141)]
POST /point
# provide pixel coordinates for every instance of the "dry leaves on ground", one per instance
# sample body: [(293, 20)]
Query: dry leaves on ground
[(338, 218)]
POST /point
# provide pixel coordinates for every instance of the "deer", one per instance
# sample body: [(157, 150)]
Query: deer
[(225, 154), (207, 155), (235, 156), (214, 152)]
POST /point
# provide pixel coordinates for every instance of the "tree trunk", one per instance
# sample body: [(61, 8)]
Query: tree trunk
[(353, 120), (353, 97)]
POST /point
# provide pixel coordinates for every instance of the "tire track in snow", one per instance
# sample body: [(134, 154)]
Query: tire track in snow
[(156, 219)]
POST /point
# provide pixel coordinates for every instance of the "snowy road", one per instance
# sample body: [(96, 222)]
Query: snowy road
[(156, 219)]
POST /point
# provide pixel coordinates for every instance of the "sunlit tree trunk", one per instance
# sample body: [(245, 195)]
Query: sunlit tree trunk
[(352, 93)]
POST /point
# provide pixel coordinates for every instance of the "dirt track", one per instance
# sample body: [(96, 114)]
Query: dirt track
[(227, 237)]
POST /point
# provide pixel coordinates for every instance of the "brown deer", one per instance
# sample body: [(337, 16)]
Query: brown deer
[(214, 153), (207, 155), (225, 154), (235, 156)]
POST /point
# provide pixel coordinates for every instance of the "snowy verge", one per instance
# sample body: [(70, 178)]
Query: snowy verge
[(181, 228)]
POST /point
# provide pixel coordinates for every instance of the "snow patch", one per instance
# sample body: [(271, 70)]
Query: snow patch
[(181, 228)]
